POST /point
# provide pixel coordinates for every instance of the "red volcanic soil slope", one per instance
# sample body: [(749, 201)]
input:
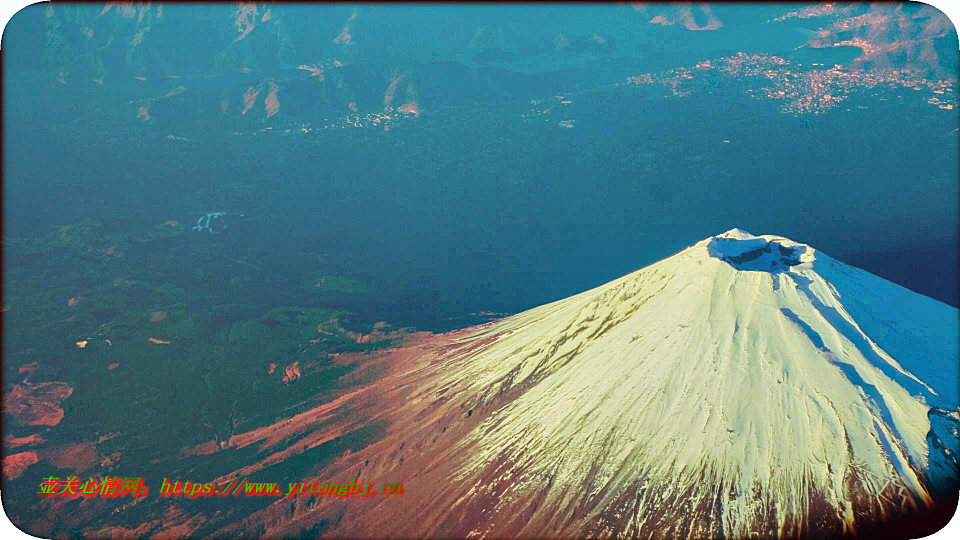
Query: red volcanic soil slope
[(15, 464), (36, 404)]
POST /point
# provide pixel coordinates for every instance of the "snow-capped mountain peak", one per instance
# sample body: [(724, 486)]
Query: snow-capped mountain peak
[(747, 385)]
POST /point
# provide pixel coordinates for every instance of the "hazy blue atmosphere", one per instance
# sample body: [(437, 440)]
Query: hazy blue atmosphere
[(427, 166)]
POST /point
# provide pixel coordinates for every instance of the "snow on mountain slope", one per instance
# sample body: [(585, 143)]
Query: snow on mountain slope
[(745, 386)]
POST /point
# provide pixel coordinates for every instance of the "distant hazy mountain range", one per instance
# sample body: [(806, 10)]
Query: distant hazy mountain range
[(252, 61)]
